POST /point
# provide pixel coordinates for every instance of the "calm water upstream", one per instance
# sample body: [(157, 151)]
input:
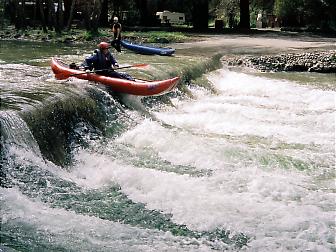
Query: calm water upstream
[(250, 168)]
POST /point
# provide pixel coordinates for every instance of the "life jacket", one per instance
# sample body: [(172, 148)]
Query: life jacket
[(103, 62)]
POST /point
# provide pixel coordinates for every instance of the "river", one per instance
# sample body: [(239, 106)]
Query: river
[(249, 167)]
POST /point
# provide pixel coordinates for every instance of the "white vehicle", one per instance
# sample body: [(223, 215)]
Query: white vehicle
[(168, 17)]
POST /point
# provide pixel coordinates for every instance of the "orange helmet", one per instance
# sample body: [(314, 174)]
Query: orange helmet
[(104, 45)]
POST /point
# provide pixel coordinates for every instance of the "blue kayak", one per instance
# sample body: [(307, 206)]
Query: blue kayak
[(145, 49)]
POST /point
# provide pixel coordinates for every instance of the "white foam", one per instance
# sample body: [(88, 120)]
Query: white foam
[(66, 229), (251, 105), (268, 205), (280, 208)]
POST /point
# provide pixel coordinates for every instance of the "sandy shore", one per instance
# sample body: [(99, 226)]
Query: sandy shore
[(268, 51), (258, 44)]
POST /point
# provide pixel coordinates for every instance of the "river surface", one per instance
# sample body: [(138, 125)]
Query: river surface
[(247, 168)]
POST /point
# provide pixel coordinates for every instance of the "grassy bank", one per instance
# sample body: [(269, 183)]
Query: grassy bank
[(82, 36)]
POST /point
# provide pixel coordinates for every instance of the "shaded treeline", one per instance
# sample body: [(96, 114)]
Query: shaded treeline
[(315, 14), (61, 15)]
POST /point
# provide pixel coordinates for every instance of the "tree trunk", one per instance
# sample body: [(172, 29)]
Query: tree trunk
[(73, 2), (244, 14), (22, 14), (200, 14), (60, 21), (35, 11), (51, 14), (95, 15), (2, 15), (43, 20), (86, 11), (91, 12), (143, 10), (19, 17), (103, 20)]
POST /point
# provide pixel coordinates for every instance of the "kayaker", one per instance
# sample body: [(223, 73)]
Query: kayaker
[(116, 30), (103, 63)]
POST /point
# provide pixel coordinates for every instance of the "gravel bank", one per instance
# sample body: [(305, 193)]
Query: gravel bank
[(322, 62)]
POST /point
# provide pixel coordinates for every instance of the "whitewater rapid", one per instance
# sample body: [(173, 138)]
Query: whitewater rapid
[(268, 147), (256, 158)]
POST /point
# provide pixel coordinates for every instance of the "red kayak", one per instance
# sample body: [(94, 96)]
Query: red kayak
[(137, 87)]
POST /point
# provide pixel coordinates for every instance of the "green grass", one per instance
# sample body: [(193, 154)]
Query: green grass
[(81, 35), (158, 36), (149, 36)]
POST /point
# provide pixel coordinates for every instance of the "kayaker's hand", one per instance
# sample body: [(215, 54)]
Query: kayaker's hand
[(116, 65), (87, 71)]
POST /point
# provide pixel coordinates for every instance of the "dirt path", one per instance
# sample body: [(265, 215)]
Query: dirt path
[(257, 44)]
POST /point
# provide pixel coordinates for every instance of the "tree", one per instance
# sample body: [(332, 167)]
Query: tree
[(91, 10), (142, 7), (234, 9), (200, 14), (288, 11), (43, 19), (310, 13), (71, 12), (60, 16), (147, 12), (127, 11), (330, 7), (103, 19), (227, 9), (18, 13), (320, 13), (2, 14), (244, 14)]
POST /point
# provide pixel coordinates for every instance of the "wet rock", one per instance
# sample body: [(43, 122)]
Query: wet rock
[(323, 62)]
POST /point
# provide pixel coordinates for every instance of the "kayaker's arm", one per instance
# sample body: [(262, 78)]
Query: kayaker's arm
[(88, 62), (114, 62)]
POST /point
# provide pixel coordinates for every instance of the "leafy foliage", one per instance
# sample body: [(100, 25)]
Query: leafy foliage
[(226, 10), (289, 11), (96, 13), (313, 13)]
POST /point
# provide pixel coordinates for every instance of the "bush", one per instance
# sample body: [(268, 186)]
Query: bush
[(307, 13)]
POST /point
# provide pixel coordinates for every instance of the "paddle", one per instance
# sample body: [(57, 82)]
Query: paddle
[(61, 76)]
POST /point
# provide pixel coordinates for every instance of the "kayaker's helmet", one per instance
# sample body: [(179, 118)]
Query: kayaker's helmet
[(103, 45), (115, 19)]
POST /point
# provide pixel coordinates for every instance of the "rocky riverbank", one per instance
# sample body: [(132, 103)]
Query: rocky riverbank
[(322, 62)]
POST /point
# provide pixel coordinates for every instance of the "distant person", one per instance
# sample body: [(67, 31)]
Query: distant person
[(116, 30), (103, 63)]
